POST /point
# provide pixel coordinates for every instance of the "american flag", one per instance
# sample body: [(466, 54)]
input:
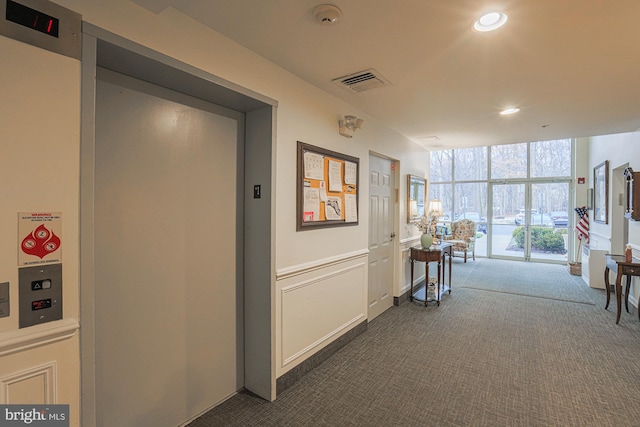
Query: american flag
[(583, 225)]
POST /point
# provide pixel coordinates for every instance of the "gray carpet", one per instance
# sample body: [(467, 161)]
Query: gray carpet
[(484, 357), (551, 281)]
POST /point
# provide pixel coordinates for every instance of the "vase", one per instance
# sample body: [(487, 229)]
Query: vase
[(426, 240)]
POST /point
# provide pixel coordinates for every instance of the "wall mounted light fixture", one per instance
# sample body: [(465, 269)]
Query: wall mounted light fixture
[(349, 125)]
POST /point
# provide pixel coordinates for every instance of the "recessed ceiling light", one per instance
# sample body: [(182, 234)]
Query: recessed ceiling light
[(490, 21), (508, 111)]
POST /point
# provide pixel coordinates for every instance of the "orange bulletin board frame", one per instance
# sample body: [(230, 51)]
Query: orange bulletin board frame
[(327, 188)]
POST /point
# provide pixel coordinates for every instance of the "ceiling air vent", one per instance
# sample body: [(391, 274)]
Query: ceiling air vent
[(361, 81)]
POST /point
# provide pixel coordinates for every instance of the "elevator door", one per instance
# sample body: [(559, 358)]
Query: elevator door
[(168, 320)]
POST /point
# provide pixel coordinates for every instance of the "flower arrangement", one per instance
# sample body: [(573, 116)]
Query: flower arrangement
[(423, 224), (427, 224)]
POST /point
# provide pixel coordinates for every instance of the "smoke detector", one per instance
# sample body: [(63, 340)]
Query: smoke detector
[(327, 14)]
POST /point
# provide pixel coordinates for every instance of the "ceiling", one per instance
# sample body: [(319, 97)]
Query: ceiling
[(571, 66)]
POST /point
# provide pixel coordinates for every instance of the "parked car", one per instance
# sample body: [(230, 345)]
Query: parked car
[(480, 221), (560, 218), (520, 216), (541, 220)]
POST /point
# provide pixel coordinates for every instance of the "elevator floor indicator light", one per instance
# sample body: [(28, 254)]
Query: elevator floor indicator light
[(31, 18), (40, 304), (44, 24)]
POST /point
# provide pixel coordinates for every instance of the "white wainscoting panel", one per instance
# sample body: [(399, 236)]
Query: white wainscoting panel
[(418, 268), (39, 366), (316, 306), (36, 385)]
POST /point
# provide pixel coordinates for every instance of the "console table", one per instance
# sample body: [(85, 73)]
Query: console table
[(433, 254), (618, 265)]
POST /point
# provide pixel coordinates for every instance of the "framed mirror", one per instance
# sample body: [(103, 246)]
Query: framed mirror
[(416, 196), (601, 192)]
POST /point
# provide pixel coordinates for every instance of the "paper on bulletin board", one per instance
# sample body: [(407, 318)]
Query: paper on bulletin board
[(333, 208), (335, 176), (313, 166), (323, 191), (311, 208), (350, 208), (39, 238), (350, 173)]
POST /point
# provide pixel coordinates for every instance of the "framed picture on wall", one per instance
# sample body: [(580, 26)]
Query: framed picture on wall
[(601, 193)]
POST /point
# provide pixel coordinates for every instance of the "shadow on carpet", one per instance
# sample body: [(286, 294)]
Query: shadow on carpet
[(549, 281)]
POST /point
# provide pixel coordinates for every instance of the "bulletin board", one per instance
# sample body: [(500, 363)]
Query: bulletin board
[(327, 188)]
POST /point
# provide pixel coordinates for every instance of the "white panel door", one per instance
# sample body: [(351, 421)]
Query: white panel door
[(381, 205), (168, 317)]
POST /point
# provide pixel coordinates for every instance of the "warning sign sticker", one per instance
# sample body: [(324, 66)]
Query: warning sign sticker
[(39, 238)]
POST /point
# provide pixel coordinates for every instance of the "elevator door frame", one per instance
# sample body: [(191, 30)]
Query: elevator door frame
[(102, 48)]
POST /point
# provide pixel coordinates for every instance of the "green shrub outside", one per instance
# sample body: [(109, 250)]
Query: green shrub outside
[(542, 239)]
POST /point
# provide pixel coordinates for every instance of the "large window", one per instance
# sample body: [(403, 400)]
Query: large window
[(506, 187), (444, 193), (509, 161), (441, 165), (551, 159), (471, 164)]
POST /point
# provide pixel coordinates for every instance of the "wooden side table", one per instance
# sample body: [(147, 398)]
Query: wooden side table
[(618, 265), (433, 254)]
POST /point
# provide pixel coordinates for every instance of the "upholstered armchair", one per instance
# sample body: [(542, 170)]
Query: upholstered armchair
[(463, 237)]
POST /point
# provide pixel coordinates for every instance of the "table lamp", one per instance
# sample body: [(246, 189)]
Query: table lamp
[(435, 211)]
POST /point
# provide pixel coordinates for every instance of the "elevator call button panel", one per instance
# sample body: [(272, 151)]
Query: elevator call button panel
[(40, 290)]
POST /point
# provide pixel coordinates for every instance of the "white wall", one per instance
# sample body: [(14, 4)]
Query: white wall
[(42, 167), (39, 169), (619, 150), (582, 170)]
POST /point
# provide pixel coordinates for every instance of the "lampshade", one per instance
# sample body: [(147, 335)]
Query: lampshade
[(435, 206)]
